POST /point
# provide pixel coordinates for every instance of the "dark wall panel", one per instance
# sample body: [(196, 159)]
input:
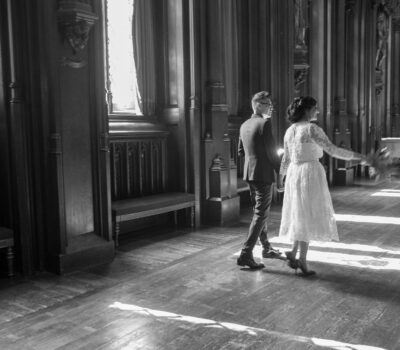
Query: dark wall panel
[(76, 151)]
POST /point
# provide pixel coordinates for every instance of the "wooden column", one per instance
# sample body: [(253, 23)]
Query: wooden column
[(395, 86), (195, 57), (320, 75), (382, 69), (371, 87), (5, 171), (100, 131), (253, 50), (353, 45), (232, 75), (78, 222), (343, 172), (222, 203), (19, 132), (363, 72), (281, 70)]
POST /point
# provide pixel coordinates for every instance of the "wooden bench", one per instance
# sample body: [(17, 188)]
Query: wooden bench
[(7, 241), (135, 208)]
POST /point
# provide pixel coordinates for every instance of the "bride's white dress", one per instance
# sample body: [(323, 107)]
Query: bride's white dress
[(307, 211)]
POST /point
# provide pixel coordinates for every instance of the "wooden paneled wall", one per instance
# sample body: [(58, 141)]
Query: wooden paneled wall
[(138, 166), (66, 160)]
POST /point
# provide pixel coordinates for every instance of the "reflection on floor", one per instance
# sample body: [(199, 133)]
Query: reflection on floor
[(182, 290)]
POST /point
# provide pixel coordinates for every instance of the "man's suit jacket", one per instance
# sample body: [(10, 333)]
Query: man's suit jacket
[(259, 149)]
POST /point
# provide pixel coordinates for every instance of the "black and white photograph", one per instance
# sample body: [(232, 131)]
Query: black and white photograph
[(200, 174)]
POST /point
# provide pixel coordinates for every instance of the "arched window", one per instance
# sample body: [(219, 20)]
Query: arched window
[(122, 80)]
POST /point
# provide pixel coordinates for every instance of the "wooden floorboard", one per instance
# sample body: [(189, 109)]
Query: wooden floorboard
[(182, 289)]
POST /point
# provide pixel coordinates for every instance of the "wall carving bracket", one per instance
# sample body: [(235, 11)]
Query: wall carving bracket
[(301, 68), (75, 19), (350, 6), (392, 6), (300, 76)]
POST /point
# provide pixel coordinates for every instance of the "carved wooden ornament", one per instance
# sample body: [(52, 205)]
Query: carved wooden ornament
[(75, 18)]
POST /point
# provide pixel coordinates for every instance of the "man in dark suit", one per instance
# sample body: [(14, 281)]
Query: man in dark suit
[(258, 146)]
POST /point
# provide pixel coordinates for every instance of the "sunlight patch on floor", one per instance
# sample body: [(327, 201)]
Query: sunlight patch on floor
[(385, 194), (368, 219), (338, 258), (332, 344), (354, 260), (340, 246), (203, 322)]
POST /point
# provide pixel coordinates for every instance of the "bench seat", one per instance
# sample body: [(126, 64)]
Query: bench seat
[(242, 185), (140, 207)]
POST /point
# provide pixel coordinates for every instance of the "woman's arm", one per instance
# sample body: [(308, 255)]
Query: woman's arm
[(320, 138), (285, 160)]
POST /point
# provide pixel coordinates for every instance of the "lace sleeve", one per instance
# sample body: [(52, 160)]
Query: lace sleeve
[(285, 160), (319, 137)]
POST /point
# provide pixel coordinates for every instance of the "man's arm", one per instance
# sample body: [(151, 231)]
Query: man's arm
[(240, 148), (271, 147)]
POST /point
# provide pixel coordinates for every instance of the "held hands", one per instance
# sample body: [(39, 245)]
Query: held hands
[(280, 186)]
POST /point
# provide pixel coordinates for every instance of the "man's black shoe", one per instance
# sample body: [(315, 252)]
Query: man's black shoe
[(272, 253), (248, 261)]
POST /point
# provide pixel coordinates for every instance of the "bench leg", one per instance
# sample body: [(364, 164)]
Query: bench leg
[(10, 261), (192, 216), (176, 218), (116, 232)]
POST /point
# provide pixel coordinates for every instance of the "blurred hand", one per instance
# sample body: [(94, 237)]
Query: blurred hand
[(281, 183)]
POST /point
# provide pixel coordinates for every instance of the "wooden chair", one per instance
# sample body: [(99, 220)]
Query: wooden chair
[(7, 241)]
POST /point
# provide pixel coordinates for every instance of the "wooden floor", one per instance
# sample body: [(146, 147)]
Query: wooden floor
[(183, 290)]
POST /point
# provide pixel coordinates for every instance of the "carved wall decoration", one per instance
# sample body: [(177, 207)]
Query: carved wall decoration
[(391, 6), (300, 76), (301, 65), (382, 34), (75, 18), (350, 6), (300, 25), (218, 163)]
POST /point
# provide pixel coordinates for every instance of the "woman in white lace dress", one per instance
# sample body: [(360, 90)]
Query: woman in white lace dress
[(307, 212)]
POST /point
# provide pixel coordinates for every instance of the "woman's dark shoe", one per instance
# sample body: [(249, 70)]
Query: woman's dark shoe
[(306, 272), (292, 263)]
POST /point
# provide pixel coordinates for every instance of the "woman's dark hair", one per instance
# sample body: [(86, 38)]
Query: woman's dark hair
[(299, 106)]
